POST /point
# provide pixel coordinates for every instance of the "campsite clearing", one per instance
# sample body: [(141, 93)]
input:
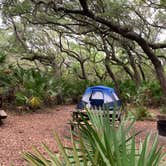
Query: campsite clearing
[(20, 132)]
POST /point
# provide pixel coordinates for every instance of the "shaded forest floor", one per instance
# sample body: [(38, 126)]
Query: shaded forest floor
[(20, 132)]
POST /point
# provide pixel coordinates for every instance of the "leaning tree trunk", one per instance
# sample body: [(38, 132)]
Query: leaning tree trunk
[(156, 63), (141, 42)]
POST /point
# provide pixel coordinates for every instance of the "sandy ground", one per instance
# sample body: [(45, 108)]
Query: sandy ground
[(149, 127), (20, 132)]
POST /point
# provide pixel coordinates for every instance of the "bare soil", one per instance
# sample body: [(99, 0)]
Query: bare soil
[(20, 132)]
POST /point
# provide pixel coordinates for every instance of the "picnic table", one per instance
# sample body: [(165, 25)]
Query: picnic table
[(79, 116)]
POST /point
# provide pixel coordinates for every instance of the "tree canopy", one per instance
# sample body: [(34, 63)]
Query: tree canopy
[(100, 36)]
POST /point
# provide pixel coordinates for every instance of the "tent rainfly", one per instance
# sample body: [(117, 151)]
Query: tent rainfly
[(99, 97)]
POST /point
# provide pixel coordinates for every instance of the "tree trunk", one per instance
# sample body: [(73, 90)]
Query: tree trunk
[(128, 71), (142, 72), (83, 70), (138, 39), (111, 74), (137, 77), (156, 63), (161, 77)]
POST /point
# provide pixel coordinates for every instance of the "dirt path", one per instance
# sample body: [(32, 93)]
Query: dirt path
[(20, 132)]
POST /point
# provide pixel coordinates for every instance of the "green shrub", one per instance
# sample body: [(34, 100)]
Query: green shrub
[(100, 144), (148, 93), (156, 93), (2, 57), (72, 89), (128, 90), (163, 109), (32, 82), (21, 99), (141, 113)]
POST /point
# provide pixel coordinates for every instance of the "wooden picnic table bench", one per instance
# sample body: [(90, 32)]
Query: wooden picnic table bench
[(78, 117)]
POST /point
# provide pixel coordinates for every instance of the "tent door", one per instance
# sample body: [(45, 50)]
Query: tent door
[(96, 99)]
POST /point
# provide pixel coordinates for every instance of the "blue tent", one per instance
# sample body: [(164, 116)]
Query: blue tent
[(99, 96)]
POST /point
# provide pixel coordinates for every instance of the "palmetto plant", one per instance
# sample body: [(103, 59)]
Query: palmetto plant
[(32, 85), (32, 81), (99, 143)]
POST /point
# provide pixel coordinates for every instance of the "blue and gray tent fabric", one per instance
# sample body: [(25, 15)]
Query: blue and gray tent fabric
[(99, 96)]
